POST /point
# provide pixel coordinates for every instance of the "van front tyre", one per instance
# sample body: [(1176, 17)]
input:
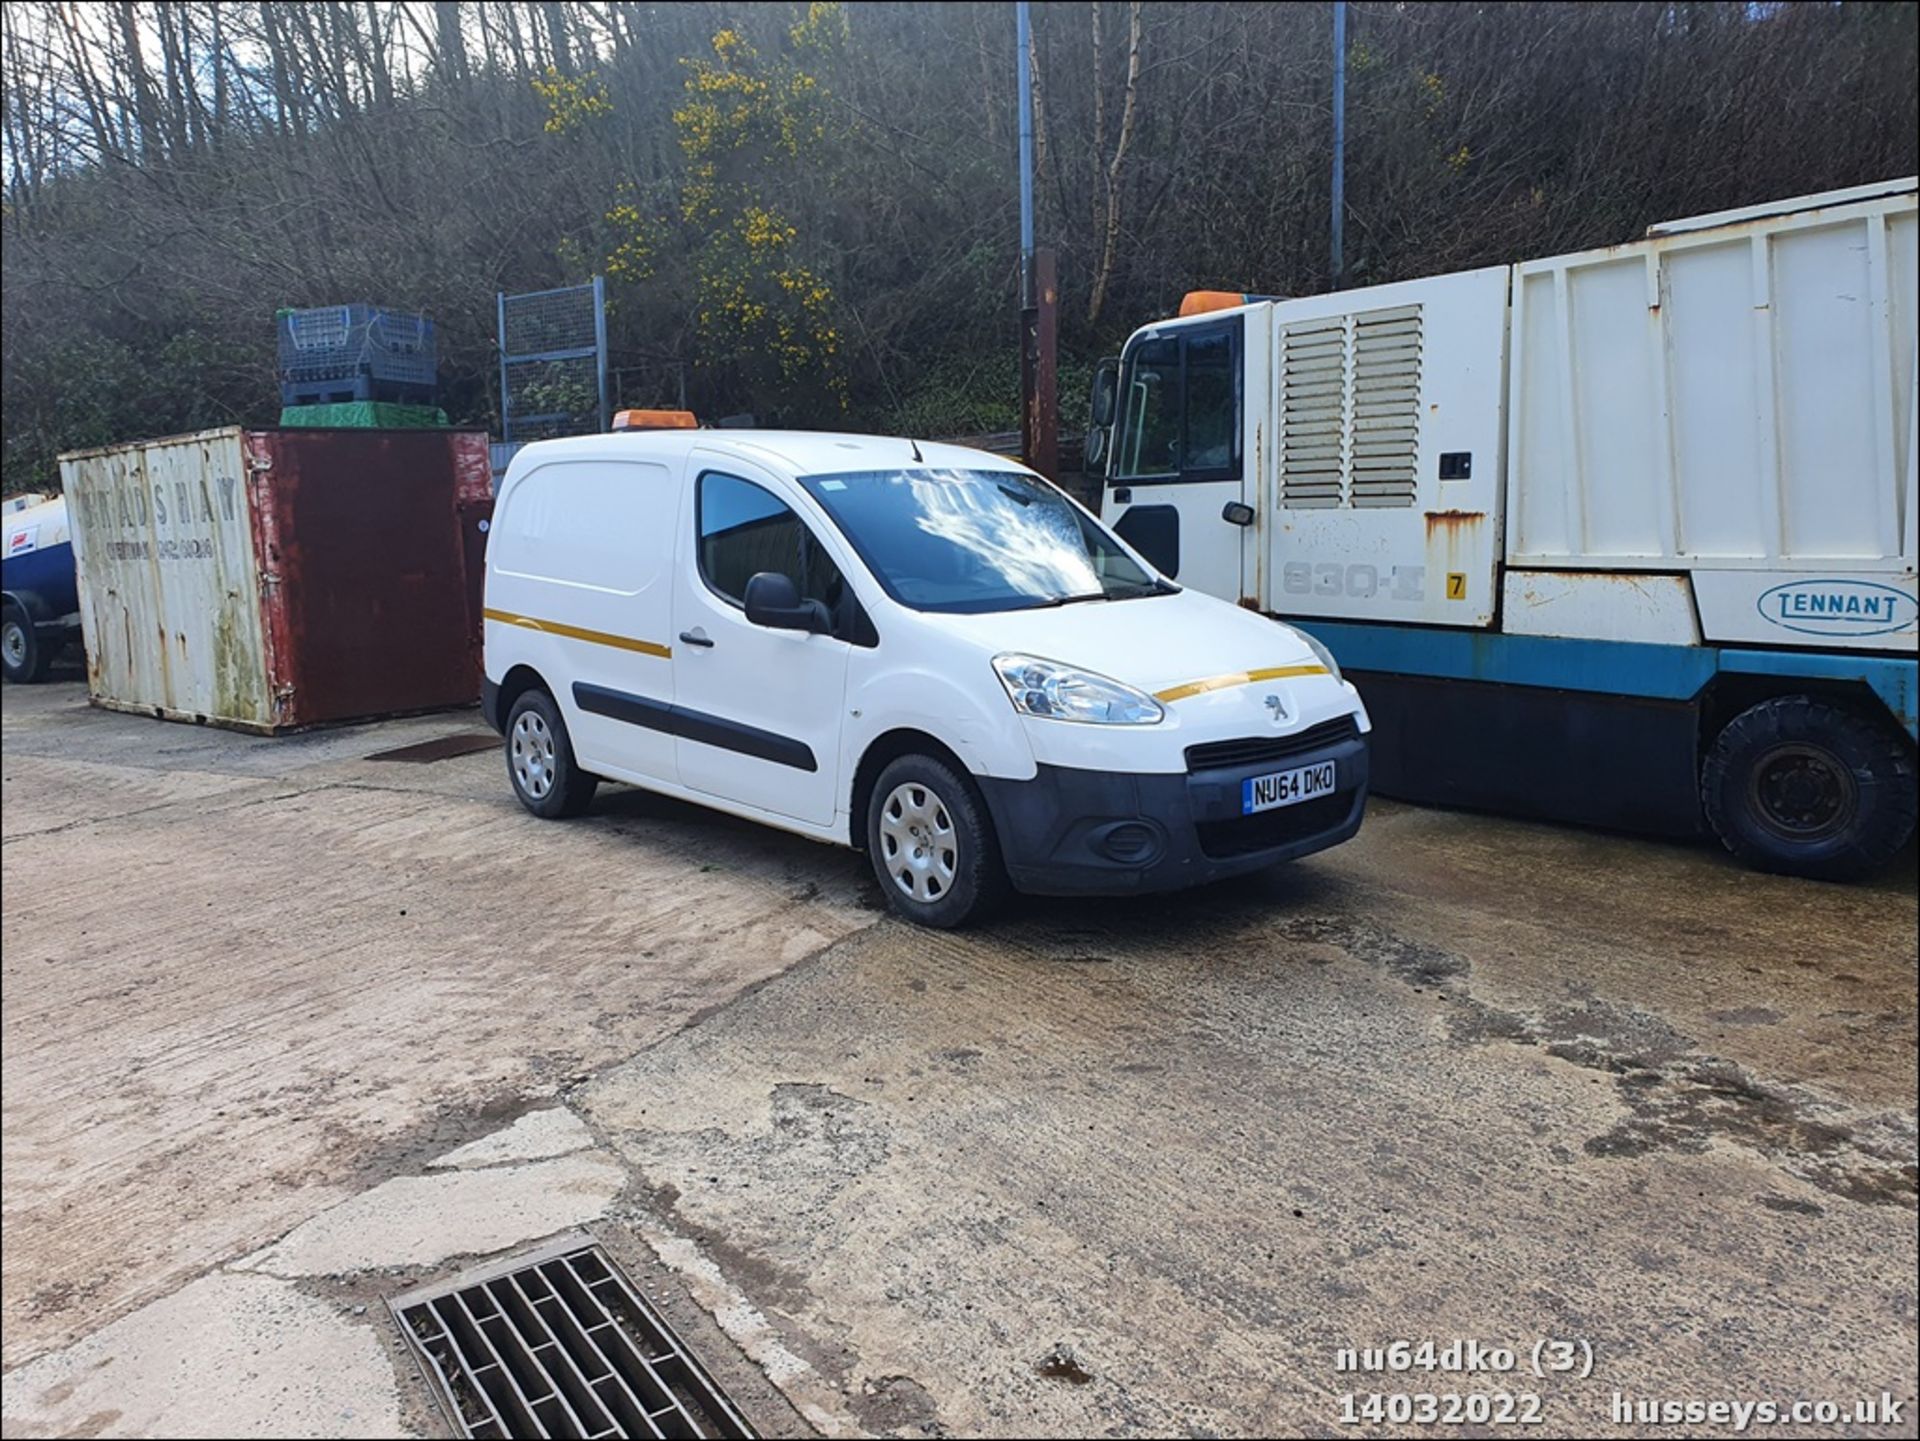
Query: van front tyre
[(1810, 788), (540, 763), (22, 657), (932, 844)]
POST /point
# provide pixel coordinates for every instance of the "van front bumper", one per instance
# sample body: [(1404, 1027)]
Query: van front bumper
[(1081, 832)]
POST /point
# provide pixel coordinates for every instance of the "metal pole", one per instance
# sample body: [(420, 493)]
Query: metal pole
[(1045, 455), (1339, 140), (1030, 442), (600, 346), (506, 425), (1023, 31)]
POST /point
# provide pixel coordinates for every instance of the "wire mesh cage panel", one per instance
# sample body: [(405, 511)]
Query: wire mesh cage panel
[(354, 352), (553, 362)]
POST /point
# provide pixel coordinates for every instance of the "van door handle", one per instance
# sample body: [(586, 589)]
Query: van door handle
[(696, 637)]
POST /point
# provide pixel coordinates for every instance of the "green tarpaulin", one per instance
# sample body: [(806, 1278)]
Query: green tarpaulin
[(365, 415)]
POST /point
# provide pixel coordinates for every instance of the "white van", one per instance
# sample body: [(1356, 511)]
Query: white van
[(922, 651)]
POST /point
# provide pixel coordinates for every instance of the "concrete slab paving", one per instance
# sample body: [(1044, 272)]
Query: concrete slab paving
[(1126, 1167), (242, 983), (226, 1355), (425, 1220), (1196, 1147), (535, 1136)]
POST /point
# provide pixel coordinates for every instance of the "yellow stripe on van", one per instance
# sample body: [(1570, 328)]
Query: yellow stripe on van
[(1239, 677), (574, 632)]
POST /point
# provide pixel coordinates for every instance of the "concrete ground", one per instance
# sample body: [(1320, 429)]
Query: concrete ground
[(289, 1030)]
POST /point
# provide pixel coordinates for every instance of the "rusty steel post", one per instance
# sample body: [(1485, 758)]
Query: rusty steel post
[(1044, 455), (1040, 369)]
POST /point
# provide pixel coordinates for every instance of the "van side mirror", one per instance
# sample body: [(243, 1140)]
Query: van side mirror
[(773, 600)]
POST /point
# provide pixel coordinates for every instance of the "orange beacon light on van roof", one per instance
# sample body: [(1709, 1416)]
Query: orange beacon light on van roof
[(655, 420), (1199, 302)]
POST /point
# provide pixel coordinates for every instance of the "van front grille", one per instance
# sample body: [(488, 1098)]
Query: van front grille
[(1257, 750)]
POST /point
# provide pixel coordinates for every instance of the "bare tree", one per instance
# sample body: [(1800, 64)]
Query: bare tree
[(1110, 168)]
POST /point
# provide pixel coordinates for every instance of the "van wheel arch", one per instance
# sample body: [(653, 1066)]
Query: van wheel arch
[(881, 752), (516, 683)]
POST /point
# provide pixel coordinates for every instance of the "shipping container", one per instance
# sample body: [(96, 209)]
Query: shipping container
[(269, 580), (1626, 536)]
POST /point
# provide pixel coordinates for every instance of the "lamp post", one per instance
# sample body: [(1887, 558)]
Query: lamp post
[(1039, 292), (1339, 141)]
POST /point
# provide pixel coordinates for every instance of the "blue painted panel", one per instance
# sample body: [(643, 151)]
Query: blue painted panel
[(49, 573), (1895, 681), (1658, 672)]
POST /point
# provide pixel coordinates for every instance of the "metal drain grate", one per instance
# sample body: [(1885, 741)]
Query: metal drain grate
[(445, 748), (559, 1343)]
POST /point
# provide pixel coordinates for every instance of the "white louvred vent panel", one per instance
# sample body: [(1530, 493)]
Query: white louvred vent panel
[(1313, 359), (1350, 411), (1385, 432)]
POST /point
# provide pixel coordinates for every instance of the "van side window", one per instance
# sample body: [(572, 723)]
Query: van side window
[(1180, 407), (745, 529)]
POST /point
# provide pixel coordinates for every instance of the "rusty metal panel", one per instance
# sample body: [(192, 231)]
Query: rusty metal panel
[(367, 584), (169, 602), (270, 580)]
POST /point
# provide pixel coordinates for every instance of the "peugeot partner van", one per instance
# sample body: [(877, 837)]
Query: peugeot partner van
[(922, 651)]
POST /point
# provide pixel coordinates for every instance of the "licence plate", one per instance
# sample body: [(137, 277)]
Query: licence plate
[(1286, 788)]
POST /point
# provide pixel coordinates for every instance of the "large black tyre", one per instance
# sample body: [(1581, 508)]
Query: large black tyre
[(540, 763), (1810, 788), (932, 844), (23, 659)]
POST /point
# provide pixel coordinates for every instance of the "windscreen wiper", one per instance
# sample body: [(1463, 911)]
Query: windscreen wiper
[(1057, 600)]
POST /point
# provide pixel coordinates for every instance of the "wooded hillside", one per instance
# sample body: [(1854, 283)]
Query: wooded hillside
[(814, 207)]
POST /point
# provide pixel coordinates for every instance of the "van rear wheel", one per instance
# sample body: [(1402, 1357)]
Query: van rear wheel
[(932, 844), (1810, 788), (540, 763)]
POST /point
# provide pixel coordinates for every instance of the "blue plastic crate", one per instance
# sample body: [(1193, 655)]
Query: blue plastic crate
[(338, 342)]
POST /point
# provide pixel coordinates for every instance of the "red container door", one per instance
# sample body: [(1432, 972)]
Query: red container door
[(367, 579)]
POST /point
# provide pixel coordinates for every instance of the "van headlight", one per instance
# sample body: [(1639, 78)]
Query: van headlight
[(1325, 655), (1053, 691)]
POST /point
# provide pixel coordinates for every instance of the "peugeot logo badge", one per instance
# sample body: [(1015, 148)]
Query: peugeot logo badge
[(1279, 709)]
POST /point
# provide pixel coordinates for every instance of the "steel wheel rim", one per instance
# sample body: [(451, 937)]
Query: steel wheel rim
[(1802, 792), (918, 843), (530, 753), (13, 643)]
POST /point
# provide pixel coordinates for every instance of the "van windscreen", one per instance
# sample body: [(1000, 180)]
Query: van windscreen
[(978, 540)]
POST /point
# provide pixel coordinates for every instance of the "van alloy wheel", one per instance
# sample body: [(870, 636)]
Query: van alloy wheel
[(533, 758), (922, 849)]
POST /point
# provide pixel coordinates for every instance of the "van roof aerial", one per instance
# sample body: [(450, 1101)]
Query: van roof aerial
[(918, 457)]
